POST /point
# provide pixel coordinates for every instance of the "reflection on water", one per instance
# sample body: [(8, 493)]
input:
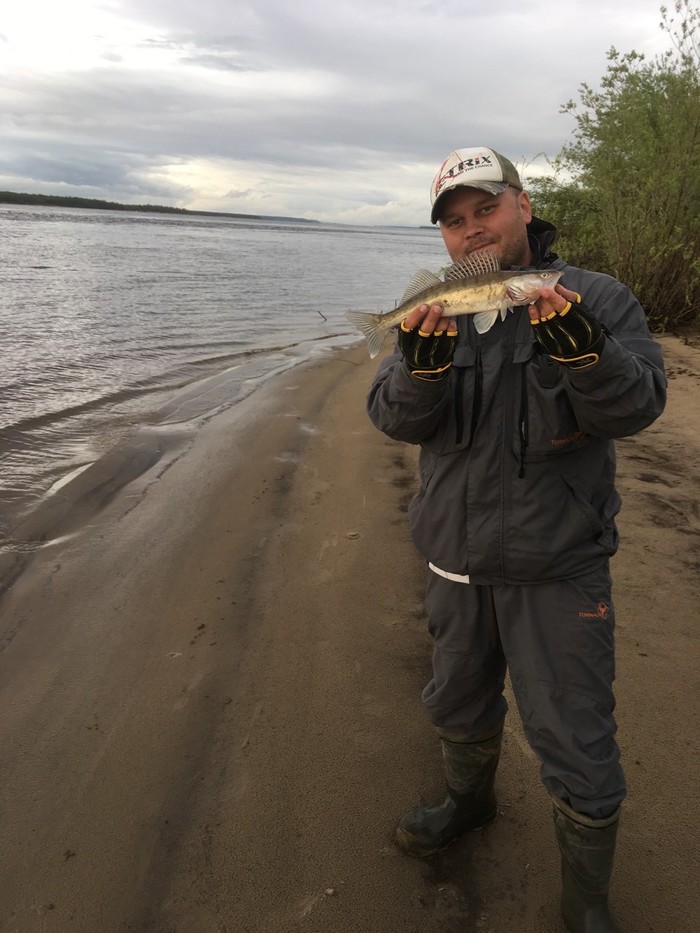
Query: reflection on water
[(113, 320)]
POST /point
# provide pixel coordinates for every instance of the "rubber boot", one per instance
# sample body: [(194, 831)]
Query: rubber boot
[(470, 768), (587, 853)]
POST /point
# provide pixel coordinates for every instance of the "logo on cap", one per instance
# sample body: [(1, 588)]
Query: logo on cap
[(466, 165)]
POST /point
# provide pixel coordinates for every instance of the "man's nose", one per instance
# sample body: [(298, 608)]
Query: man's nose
[(473, 226)]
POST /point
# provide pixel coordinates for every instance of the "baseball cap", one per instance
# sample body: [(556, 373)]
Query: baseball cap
[(480, 168)]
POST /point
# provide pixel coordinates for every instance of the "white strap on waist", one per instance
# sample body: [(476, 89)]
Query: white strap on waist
[(455, 577)]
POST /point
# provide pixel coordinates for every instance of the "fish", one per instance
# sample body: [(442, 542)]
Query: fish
[(475, 285)]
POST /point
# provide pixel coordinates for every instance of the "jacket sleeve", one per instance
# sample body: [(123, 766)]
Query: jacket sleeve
[(405, 408), (626, 390)]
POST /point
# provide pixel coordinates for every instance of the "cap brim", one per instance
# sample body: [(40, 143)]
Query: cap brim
[(491, 187)]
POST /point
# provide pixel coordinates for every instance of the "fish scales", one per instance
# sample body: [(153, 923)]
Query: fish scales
[(475, 286)]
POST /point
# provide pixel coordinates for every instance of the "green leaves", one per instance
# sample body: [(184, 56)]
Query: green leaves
[(631, 203)]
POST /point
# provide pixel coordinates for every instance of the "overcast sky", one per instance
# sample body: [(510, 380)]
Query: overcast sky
[(337, 110)]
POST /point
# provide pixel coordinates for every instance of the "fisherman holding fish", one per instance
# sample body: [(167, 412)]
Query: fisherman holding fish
[(515, 385)]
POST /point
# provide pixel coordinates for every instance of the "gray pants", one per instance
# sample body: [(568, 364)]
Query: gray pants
[(557, 641)]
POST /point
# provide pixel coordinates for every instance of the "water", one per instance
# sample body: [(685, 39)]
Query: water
[(111, 320)]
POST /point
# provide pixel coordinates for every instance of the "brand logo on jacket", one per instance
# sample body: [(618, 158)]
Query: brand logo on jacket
[(571, 439), (600, 613)]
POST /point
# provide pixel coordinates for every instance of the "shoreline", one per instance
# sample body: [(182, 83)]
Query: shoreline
[(155, 436), (211, 692)]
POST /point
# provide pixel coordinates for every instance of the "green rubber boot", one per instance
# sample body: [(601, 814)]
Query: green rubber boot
[(587, 853), (470, 768)]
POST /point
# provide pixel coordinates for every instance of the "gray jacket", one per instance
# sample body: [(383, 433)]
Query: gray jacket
[(517, 461)]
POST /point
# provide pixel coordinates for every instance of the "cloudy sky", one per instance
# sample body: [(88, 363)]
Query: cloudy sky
[(330, 109)]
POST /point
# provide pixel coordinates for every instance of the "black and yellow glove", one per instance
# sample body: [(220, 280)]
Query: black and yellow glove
[(428, 356), (573, 336)]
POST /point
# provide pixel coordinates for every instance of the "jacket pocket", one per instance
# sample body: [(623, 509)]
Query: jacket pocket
[(456, 428), (554, 523), (546, 424), (581, 498)]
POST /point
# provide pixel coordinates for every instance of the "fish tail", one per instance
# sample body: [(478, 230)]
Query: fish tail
[(370, 325)]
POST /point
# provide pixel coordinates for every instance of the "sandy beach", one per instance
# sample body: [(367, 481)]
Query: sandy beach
[(210, 686)]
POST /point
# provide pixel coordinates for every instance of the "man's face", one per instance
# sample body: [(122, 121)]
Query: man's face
[(471, 220)]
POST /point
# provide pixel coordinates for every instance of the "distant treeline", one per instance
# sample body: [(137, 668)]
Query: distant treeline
[(53, 200)]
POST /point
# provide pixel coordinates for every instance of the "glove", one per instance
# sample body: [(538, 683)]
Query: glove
[(428, 356), (573, 336)]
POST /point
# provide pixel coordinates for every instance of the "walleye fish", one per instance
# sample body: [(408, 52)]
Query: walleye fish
[(475, 285)]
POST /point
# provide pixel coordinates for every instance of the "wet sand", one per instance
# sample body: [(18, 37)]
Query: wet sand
[(210, 692)]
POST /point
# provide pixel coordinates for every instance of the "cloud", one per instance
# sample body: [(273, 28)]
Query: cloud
[(312, 109)]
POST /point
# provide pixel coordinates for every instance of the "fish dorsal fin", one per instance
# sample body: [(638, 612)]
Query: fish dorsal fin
[(479, 263), (421, 282)]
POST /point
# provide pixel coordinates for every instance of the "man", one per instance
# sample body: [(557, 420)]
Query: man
[(515, 518)]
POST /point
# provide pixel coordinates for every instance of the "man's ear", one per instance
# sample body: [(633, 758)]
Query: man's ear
[(525, 206)]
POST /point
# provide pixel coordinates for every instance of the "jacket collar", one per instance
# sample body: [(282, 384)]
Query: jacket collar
[(541, 236)]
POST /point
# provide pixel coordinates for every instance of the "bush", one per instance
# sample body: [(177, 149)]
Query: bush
[(633, 209)]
